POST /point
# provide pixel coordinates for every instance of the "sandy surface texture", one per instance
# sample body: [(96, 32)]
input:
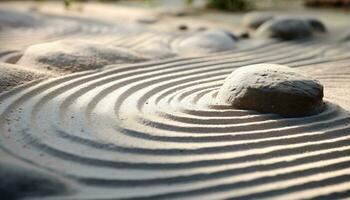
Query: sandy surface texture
[(153, 129), (75, 55), (14, 75)]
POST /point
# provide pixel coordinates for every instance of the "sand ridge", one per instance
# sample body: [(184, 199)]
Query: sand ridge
[(149, 131)]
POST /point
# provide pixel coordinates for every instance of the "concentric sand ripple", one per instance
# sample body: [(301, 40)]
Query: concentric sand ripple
[(149, 131)]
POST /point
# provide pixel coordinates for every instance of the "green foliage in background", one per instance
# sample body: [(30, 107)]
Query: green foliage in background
[(229, 5), (67, 3), (189, 2)]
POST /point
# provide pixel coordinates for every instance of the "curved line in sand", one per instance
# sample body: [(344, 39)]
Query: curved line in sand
[(149, 131)]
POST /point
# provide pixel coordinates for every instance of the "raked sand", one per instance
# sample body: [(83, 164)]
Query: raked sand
[(147, 131), (150, 131)]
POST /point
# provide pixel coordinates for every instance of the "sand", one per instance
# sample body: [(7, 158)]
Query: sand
[(14, 75), (150, 130)]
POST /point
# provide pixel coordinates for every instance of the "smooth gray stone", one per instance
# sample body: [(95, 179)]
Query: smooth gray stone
[(271, 88), (206, 42), (285, 29), (317, 25)]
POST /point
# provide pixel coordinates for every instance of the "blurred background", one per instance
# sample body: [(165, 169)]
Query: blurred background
[(65, 17), (226, 5)]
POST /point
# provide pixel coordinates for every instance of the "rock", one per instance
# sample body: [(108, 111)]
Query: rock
[(182, 27), (271, 88), (206, 42), (18, 183), (14, 75), (255, 19), (244, 35), (291, 28), (75, 55), (159, 48), (317, 25), (285, 29)]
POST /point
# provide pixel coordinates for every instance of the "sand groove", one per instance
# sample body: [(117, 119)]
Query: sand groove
[(149, 130)]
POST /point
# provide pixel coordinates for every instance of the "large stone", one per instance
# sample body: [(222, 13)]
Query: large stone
[(255, 19), (286, 29), (75, 55), (271, 88), (206, 42), (317, 25)]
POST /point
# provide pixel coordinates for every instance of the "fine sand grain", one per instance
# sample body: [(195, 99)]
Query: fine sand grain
[(14, 75), (152, 130)]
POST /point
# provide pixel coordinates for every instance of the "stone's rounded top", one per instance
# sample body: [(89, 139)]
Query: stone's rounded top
[(75, 55), (285, 29), (271, 88), (254, 19), (316, 25), (244, 35), (207, 41), (215, 34)]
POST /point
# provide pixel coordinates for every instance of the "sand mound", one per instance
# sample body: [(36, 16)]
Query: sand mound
[(15, 75), (75, 55), (151, 131)]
